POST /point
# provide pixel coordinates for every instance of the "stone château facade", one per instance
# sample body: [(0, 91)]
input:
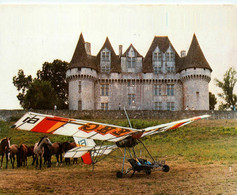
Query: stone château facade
[(162, 80)]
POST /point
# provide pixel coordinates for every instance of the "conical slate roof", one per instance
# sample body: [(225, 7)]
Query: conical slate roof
[(80, 57), (163, 43), (195, 57), (131, 46), (115, 62)]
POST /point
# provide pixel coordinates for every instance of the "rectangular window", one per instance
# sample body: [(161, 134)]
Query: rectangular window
[(104, 106), (157, 69), (170, 106), (167, 56), (131, 62), (170, 69), (157, 90), (105, 56), (157, 56), (131, 83), (170, 90), (79, 87), (172, 56), (158, 105), (105, 68), (131, 99), (104, 90)]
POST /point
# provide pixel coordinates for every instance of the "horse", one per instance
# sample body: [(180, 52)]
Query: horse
[(14, 151), (68, 146), (22, 155), (30, 152), (54, 149), (5, 148), (39, 149)]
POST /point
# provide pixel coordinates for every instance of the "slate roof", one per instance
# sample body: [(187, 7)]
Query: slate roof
[(163, 43), (80, 58), (115, 62), (195, 57)]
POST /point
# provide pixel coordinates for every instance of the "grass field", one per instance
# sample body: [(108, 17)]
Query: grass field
[(202, 157)]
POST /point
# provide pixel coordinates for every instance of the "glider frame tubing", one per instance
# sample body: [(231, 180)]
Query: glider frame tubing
[(97, 154), (138, 164)]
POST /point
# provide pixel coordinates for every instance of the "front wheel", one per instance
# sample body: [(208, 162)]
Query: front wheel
[(148, 171), (119, 174), (166, 168)]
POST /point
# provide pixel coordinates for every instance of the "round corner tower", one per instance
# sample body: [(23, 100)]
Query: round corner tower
[(195, 76), (81, 76)]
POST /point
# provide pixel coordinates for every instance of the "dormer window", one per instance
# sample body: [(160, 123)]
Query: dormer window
[(169, 56), (131, 59), (157, 56), (131, 62), (105, 61), (105, 56), (157, 61)]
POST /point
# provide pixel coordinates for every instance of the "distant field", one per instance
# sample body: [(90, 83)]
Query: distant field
[(202, 157)]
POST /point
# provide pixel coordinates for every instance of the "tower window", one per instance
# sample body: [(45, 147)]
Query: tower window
[(79, 87)]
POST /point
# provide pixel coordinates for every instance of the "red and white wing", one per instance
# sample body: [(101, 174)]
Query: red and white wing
[(170, 126), (42, 123), (95, 151)]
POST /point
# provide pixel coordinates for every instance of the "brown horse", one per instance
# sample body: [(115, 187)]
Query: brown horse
[(39, 149), (22, 155), (54, 149), (68, 146), (5, 149), (14, 151), (30, 152)]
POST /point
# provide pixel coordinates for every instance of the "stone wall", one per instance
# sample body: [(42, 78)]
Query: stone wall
[(119, 114)]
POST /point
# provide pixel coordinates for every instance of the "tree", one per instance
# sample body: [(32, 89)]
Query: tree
[(55, 73), (212, 101), (51, 79), (22, 83), (40, 95), (227, 86)]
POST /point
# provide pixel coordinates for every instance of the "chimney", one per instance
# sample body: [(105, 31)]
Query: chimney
[(120, 50), (88, 48), (182, 53)]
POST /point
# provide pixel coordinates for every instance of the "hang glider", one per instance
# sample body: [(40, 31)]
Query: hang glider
[(84, 132)]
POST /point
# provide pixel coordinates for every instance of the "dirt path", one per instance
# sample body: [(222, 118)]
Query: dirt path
[(184, 178)]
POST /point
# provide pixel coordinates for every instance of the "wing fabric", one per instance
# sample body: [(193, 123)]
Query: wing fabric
[(169, 126), (71, 127), (95, 151)]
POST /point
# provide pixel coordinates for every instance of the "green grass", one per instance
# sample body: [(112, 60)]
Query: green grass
[(195, 143)]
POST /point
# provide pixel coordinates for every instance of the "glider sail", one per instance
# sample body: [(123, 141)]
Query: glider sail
[(71, 127), (88, 130)]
